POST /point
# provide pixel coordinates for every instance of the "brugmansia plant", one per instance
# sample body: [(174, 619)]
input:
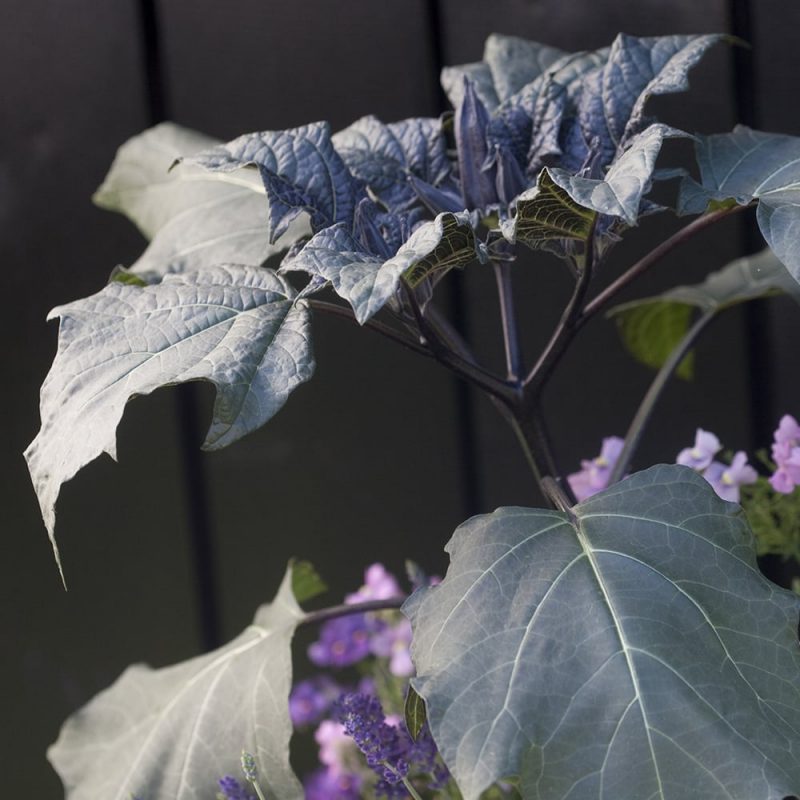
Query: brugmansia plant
[(621, 643)]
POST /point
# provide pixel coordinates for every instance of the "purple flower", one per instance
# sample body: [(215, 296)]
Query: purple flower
[(706, 446), (727, 480), (394, 643), (343, 641), (379, 584), (786, 455), (310, 699), (594, 474), (327, 784), (384, 746), (335, 746), (231, 789)]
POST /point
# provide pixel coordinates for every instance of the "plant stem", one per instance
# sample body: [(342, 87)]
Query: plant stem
[(567, 326), (502, 274), (410, 789), (655, 255), (443, 351), (343, 610), (345, 312), (645, 410)]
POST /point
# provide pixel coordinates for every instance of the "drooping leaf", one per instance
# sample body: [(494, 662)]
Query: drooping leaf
[(629, 178), (237, 327), (383, 156), (195, 218), (546, 213), (367, 281), (652, 327), (414, 712), (747, 165), (306, 581), (610, 107), (300, 170), (628, 649), (172, 733)]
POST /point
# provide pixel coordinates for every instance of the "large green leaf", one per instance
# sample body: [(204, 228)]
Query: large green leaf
[(746, 165), (628, 649), (195, 218), (172, 733), (237, 327), (652, 327)]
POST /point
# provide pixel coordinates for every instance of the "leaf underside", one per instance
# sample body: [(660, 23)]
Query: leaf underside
[(630, 651), (172, 733), (237, 327)]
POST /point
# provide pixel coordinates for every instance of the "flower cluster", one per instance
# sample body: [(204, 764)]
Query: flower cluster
[(786, 455)]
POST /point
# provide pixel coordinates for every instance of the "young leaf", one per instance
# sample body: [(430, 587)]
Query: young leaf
[(515, 62), (627, 649), (172, 733), (300, 171), (195, 218), (547, 213), (747, 165), (414, 712), (629, 178), (383, 156), (367, 281), (237, 327), (610, 105), (652, 327), (306, 581)]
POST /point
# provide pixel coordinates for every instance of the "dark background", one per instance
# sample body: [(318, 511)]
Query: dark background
[(378, 457)]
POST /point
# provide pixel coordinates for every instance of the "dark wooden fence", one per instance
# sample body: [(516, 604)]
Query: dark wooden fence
[(379, 457)]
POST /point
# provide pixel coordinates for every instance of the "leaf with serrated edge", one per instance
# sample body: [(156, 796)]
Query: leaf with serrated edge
[(300, 170), (652, 327), (545, 213), (747, 165), (237, 327), (195, 218), (366, 281), (172, 733), (620, 192), (631, 648)]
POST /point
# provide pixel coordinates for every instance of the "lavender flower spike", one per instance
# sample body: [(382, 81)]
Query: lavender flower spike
[(251, 773), (706, 446)]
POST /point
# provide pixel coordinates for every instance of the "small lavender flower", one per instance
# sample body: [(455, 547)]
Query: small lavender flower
[(231, 789), (706, 446), (310, 699), (343, 641), (727, 480), (328, 784), (383, 745), (593, 476), (394, 643), (379, 584)]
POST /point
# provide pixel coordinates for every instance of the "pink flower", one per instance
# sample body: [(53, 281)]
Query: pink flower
[(706, 446), (594, 474), (786, 455), (727, 480), (379, 584)]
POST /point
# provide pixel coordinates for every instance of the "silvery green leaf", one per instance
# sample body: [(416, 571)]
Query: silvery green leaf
[(652, 327), (612, 100), (194, 218), (300, 171), (620, 192), (515, 62), (237, 327), (479, 74), (383, 156), (747, 165), (172, 733), (367, 281), (627, 649), (546, 213)]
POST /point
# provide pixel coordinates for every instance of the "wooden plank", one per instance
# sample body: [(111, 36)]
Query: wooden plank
[(362, 462), (73, 92), (597, 390)]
